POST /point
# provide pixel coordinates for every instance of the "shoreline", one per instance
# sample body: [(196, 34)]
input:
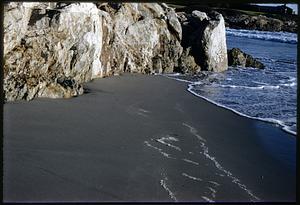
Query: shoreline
[(267, 120), (270, 120), (142, 138)]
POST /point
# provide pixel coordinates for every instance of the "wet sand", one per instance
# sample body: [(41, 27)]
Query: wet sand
[(142, 138)]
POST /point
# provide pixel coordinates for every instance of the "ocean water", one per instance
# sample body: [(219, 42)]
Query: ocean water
[(269, 94)]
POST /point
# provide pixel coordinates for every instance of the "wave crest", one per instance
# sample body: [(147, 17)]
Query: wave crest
[(282, 37)]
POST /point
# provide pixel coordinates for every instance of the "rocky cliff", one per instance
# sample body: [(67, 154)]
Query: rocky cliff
[(50, 49)]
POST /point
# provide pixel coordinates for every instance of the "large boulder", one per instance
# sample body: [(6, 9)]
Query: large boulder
[(50, 49), (204, 35), (236, 57), (213, 45)]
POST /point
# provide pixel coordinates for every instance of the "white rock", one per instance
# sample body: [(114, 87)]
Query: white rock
[(214, 43), (199, 15), (43, 43)]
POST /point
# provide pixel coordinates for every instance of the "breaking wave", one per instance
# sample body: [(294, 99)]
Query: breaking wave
[(283, 37)]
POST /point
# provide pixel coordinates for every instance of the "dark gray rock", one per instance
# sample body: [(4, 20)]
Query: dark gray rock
[(187, 63), (236, 57)]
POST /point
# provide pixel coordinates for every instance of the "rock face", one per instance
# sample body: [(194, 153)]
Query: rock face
[(214, 46), (141, 38), (205, 41), (236, 57), (50, 49), (186, 63)]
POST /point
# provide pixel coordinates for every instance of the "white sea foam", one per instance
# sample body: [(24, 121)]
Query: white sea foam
[(213, 192), (159, 150), (132, 109), (167, 155), (220, 168), (174, 74), (164, 140), (261, 83), (249, 87), (194, 131), (190, 161), (191, 177), (214, 183), (207, 199), (292, 79), (262, 86), (283, 37), (178, 79), (289, 84), (228, 173), (164, 185), (143, 110)]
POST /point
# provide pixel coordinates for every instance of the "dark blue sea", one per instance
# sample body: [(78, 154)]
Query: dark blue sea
[(268, 94)]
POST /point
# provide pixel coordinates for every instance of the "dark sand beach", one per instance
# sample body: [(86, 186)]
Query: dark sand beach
[(142, 138)]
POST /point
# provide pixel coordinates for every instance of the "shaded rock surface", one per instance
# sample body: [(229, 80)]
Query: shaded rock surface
[(236, 57), (204, 40), (186, 63)]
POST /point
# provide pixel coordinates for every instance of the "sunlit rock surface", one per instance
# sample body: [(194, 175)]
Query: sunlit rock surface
[(50, 49)]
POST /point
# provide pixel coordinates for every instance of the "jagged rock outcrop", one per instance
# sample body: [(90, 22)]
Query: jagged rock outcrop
[(236, 57), (51, 49), (141, 38), (205, 41)]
